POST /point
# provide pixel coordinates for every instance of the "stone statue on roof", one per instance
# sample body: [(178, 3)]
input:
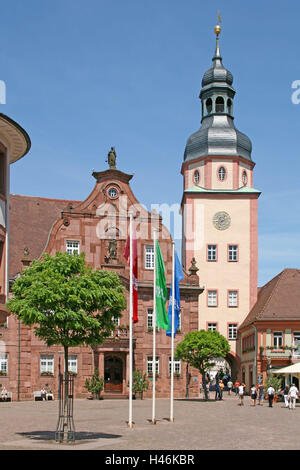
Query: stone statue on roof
[(111, 158)]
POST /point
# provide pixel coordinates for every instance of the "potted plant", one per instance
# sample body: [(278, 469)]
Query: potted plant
[(140, 383), (95, 385), (276, 383)]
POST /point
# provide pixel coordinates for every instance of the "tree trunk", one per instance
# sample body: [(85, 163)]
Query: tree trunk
[(66, 393), (204, 386)]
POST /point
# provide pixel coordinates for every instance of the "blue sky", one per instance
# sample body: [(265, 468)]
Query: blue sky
[(83, 76)]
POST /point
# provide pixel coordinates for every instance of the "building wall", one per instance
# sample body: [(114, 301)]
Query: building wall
[(94, 223)]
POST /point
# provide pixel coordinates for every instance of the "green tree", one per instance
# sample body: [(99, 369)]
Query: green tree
[(200, 348), (67, 302)]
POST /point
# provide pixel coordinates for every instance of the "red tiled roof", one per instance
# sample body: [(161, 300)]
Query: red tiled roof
[(279, 299), (31, 219)]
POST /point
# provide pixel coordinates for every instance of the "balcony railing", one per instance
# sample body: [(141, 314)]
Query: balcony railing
[(120, 332), (293, 351)]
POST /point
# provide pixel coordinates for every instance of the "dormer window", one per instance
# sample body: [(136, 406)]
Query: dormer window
[(222, 173), (220, 105), (209, 106)]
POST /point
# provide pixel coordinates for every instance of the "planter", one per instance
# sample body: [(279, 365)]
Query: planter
[(138, 395)]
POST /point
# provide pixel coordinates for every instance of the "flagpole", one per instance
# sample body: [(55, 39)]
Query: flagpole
[(154, 332), (172, 334), (130, 320)]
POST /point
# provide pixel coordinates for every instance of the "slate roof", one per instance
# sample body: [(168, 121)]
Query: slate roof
[(31, 219), (279, 299)]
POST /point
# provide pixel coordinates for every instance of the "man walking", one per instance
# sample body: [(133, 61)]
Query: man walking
[(270, 393), (217, 388), (293, 393)]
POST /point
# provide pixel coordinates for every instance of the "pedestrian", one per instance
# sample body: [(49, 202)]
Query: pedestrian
[(221, 386), (293, 394), (4, 393), (207, 390), (217, 388), (236, 386), (229, 385), (253, 394), (286, 395), (43, 394), (241, 394), (271, 393), (260, 394)]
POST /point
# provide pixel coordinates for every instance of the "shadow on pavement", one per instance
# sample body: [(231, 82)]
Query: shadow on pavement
[(210, 400), (79, 436)]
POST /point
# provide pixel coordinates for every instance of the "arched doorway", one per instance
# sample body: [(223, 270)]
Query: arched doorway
[(113, 374)]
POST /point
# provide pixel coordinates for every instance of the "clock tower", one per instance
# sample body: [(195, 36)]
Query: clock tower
[(219, 209)]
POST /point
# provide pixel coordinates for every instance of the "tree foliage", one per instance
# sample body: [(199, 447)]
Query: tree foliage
[(199, 348), (68, 302)]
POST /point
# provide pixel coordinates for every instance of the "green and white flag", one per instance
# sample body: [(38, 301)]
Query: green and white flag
[(162, 318)]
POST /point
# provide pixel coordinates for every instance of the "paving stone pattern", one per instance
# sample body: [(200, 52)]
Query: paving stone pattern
[(197, 425)]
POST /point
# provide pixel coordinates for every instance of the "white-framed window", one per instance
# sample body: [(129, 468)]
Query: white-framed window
[(277, 339), (212, 298), (73, 247), (233, 252), (116, 321), (47, 364), (72, 364), (222, 173), (233, 298), (232, 330), (150, 318), (3, 363), (149, 257), (211, 327), (176, 366), (296, 343), (244, 178), (211, 252), (150, 365)]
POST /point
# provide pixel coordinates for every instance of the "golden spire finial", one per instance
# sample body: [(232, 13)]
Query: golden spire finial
[(218, 27)]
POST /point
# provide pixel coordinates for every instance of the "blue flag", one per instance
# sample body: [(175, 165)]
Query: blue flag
[(178, 276)]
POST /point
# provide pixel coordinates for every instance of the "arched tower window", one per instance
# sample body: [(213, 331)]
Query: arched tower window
[(229, 106), (208, 105), (245, 178), (220, 105), (196, 177), (222, 173)]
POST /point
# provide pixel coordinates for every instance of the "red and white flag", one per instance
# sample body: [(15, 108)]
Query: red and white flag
[(134, 271)]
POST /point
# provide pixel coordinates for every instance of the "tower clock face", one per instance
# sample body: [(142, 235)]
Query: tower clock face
[(221, 220)]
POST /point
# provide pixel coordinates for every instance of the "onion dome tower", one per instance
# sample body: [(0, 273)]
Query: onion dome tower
[(217, 135), (219, 209)]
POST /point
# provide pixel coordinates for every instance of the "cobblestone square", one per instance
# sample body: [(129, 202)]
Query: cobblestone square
[(198, 425)]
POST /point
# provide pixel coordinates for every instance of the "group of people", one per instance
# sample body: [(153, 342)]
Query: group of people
[(290, 395), (257, 393)]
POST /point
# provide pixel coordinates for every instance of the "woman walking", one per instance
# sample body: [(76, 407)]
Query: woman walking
[(241, 394), (253, 394)]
